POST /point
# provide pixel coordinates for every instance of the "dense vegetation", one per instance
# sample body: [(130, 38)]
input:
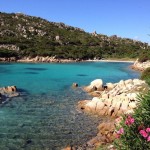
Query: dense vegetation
[(8, 53), (34, 36), (146, 75), (144, 56), (136, 128)]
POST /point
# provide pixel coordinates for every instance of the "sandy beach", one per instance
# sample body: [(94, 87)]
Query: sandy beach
[(109, 60)]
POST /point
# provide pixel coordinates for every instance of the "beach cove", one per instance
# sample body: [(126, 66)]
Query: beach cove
[(45, 115)]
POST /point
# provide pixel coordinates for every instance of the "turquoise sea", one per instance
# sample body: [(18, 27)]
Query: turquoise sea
[(45, 116)]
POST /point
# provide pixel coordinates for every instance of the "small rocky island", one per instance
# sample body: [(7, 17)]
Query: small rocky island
[(8, 92)]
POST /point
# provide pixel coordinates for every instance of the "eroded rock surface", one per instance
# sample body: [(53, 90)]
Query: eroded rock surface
[(116, 99), (141, 66)]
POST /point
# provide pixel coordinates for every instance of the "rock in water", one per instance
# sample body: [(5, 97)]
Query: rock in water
[(8, 92), (98, 83), (74, 85)]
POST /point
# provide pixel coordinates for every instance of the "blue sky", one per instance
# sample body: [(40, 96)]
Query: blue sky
[(125, 18)]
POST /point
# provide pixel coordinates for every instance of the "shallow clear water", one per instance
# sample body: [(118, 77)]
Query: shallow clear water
[(45, 116)]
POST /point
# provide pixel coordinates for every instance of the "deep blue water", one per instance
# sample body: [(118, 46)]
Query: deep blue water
[(45, 116)]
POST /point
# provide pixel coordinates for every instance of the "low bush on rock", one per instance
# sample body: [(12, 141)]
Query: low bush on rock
[(134, 131), (146, 75), (144, 57)]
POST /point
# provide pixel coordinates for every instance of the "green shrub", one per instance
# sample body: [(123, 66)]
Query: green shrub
[(136, 128), (144, 57), (146, 75), (8, 53)]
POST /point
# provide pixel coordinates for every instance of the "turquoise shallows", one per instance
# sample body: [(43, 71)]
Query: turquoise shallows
[(45, 116), (46, 78)]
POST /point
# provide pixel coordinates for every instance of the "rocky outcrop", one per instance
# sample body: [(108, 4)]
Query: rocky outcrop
[(107, 133), (9, 89), (8, 92), (140, 66), (36, 59), (8, 59), (111, 100), (95, 85), (47, 59), (116, 99)]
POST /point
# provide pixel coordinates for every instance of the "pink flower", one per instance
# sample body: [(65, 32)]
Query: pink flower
[(143, 133), (148, 139), (129, 120), (147, 129), (119, 132)]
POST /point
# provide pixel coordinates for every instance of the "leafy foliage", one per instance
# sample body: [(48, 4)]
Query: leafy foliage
[(144, 57), (133, 138), (8, 53), (146, 75), (35, 36)]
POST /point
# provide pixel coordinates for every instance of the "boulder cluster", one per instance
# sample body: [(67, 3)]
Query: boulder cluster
[(7, 92), (8, 59), (140, 66), (113, 99), (45, 59), (106, 134)]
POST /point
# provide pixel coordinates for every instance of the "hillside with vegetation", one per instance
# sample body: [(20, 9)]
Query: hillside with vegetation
[(22, 35)]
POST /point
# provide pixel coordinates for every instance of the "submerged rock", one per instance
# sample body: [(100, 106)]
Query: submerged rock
[(28, 141)]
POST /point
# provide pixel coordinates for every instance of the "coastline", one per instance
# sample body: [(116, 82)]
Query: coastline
[(111, 101), (47, 59), (109, 60)]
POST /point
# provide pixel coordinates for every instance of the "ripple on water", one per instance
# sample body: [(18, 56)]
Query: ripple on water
[(45, 121)]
